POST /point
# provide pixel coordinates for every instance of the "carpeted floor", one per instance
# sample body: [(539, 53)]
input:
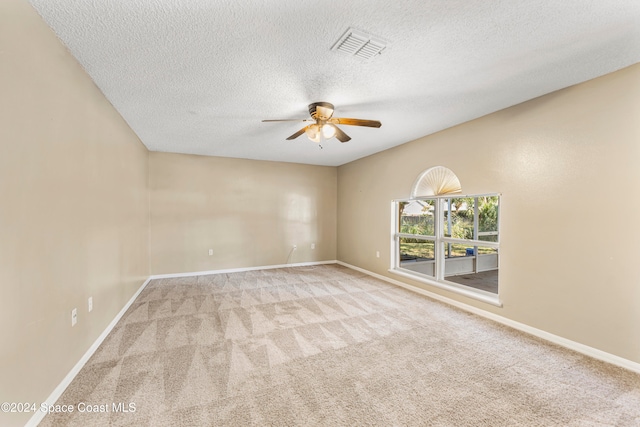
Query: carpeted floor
[(329, 346)]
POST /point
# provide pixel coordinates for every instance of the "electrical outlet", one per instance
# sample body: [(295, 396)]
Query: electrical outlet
[(377, 254), (295, 247), (313, 246), (210, 251), (74, 317), (90, 303)]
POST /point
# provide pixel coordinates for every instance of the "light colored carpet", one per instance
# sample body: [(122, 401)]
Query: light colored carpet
[(329, 346)]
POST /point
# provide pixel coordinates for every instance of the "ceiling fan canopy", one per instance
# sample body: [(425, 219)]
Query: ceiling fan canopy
[(323, 124)]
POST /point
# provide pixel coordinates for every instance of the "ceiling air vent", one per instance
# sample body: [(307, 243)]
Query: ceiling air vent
[(359, 44)]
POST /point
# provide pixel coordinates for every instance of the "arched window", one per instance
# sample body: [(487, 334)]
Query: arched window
[(436, 181), (447, 239)]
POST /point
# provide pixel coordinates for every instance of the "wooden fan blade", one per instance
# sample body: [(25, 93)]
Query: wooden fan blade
[(297, 134), (287, 120), (355, 122), (342, 137)]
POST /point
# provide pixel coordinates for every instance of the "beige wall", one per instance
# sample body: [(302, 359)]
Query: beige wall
[(73, 209), (77, 186), (249, 212), (568, 166)]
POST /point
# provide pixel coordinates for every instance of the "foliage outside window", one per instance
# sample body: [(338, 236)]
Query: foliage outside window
[(449, 239)]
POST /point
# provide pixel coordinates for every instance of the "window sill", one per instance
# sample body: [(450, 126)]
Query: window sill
[(479, 295)]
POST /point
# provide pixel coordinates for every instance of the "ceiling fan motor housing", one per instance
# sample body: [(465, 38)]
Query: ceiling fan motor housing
[(321, 110)]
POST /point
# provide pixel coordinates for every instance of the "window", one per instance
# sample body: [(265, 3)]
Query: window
[(449, 241)]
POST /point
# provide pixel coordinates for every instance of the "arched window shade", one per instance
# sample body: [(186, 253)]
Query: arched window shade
[(436, 181)]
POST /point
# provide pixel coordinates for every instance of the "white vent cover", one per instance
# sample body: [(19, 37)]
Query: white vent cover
[(359, 44)]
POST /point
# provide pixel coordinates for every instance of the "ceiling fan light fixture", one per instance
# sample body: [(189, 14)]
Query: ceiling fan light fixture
[(313, 132), (328, 131), (324, 124)]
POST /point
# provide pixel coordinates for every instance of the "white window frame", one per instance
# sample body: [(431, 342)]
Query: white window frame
[(440, 240)]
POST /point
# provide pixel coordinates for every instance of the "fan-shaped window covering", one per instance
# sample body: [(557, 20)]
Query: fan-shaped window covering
[(436, 181)]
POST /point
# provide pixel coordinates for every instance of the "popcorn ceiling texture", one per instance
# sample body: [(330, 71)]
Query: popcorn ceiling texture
[(199, 76)]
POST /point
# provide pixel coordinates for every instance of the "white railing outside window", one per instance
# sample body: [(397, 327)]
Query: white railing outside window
[(450, 241)]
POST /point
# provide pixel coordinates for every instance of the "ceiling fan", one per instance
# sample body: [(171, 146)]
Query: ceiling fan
[(324, 124)]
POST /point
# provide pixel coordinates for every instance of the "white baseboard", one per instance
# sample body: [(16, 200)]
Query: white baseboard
[(55, 395), (572, 345), (239, 270), (564, 342)]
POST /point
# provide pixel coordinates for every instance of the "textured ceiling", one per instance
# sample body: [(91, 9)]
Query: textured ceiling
[(198, 76)]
